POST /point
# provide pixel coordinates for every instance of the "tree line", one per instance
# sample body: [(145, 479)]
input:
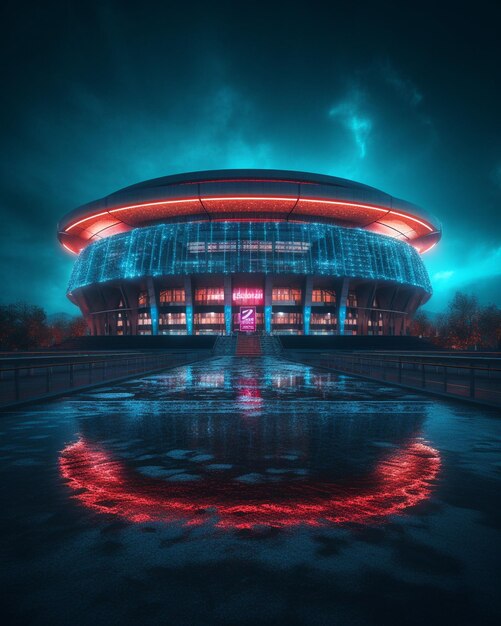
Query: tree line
[(465, 325), (25, 326)]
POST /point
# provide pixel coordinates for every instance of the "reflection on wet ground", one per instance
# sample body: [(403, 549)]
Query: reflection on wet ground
[(250, 491)]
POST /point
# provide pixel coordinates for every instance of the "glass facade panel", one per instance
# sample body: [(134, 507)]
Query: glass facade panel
[(209, 318), (287, 319), (143, 319), (352, 300), (176, 296), (170, 319), (324, 319), (209, 296), (291, 248), (286, 295), (321, 295)]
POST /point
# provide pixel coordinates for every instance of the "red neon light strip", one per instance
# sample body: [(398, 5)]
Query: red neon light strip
[(414, 219), (84, 219), (248, 198)]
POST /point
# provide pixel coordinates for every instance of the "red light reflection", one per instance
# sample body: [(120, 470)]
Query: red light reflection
[(106, 485)]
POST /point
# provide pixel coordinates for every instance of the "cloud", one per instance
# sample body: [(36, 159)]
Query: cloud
[(227, 135), (476, 271), (443, 275), (403, 87), (350, 114)]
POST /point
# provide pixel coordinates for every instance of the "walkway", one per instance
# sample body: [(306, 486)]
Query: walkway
[(465, 376), (249, 491)]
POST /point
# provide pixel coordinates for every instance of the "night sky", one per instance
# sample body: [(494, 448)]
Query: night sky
[(100, 95)]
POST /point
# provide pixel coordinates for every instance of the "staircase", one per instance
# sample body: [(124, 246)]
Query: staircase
[(270, 346), (248, 346), (225, 346)]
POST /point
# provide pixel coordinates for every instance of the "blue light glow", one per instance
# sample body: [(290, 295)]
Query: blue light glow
[(227, 318), (342, 317), (154, 320), (269, 248), (189, 319), (267, 319), (307, 317)]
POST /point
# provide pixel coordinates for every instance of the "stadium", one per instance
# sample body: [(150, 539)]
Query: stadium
[(266, 251)]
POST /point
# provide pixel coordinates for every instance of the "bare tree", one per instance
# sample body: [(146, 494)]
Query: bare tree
[(463, 315), (23, 326)]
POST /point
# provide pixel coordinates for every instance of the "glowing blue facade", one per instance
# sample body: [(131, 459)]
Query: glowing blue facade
[(246, 247)]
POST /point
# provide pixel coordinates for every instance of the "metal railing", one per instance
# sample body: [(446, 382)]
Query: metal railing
[(20, 383), (462, 377)]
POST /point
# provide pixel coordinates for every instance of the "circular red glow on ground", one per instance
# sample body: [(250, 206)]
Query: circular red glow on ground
[(104, 484)]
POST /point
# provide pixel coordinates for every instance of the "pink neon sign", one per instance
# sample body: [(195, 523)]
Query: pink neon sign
[(249, 296), (248, 318)]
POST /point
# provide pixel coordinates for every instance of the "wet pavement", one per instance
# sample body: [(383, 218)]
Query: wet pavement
[(250, 491)]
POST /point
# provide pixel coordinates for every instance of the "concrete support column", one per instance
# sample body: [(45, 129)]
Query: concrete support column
[(125, 314), (414, 302), (307, 297), (385, 295), (268, 297), (365, 298), (227, 304), (152, 299), (130, 294), (99, 323), (91, 324), (399, 302), (341, 297), (103, 317), (83, 305), (393, 307), (188, 296)]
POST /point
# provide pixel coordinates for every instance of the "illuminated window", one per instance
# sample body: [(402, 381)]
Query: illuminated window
[(283, 318), (248, 245), (286, 295), (292, 246), (120, 319), (142, 299), (176, 296), (212, 318), (143, 319), (375, 323), (171, 319), (320, 295), (209, 296), (324, 319), (352, 300), (351, 317)]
